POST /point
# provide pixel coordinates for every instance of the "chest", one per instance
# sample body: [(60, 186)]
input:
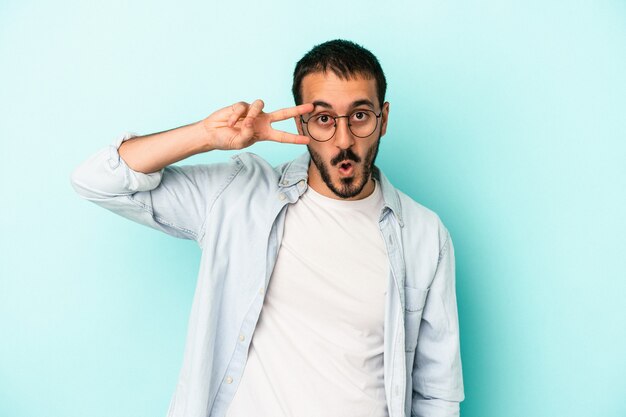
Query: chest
[(332, 266)]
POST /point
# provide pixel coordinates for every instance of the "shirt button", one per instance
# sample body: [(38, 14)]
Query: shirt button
[(282, 196), (229, 380), (242, 337), (261, 291), (301, 183)]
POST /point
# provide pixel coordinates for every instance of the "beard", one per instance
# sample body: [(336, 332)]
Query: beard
[(351, 186)]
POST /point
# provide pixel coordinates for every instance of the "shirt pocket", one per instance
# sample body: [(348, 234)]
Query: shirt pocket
[(415, 299)]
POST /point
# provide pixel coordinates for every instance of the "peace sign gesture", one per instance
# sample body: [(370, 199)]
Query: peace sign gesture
[(242, 124)]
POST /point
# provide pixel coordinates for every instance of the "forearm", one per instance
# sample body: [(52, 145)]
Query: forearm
[(153, 152)]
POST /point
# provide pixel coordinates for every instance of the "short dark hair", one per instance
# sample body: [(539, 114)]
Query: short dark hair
[(344, 58)]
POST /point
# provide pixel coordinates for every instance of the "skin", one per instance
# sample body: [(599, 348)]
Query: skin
[(340, 94), (241, 125)]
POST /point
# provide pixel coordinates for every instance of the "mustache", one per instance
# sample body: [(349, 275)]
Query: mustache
[(345, 155)]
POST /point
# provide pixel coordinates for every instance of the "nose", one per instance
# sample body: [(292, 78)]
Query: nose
[(343, 137)]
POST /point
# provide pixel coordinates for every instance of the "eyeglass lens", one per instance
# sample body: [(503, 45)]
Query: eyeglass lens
[(362, 123)]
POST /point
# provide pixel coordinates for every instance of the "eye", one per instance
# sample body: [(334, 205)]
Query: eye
[(323, 120), (360, 116)]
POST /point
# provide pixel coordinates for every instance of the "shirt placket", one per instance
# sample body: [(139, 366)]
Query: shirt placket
[(398, 369)]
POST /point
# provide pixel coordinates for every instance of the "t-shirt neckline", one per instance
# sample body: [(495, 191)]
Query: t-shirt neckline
[(364, 203)]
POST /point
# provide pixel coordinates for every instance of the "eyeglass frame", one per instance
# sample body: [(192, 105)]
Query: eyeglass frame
[(348, 121)]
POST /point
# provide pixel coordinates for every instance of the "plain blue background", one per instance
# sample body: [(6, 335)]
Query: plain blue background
[(507, 119)]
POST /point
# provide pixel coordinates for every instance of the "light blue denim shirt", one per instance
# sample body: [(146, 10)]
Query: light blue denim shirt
[(236, 211)]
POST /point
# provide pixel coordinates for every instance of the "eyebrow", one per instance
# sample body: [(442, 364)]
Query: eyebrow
[(355, 103)]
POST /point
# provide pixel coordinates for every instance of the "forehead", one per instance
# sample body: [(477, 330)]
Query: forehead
[(340, 93)]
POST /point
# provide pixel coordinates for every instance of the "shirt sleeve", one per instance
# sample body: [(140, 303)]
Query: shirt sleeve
[(437, 375), (172, 200)]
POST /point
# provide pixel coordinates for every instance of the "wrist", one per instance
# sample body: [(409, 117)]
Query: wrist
[(206, 134)]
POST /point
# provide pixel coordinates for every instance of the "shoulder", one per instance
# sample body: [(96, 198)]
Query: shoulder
[(252, 161), (253, 175), (250, 165), (424, 240), (422, 221)]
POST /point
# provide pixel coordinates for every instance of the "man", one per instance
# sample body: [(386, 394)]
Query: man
[(323, 290)]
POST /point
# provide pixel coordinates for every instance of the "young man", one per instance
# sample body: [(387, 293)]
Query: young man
[(323, 290)]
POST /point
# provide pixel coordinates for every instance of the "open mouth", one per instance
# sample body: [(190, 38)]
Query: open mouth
[(346, 168)]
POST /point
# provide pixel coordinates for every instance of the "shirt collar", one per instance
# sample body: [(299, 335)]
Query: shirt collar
[(297, 170)]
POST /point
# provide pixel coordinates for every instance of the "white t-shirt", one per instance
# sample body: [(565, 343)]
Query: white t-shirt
[(317, 350)]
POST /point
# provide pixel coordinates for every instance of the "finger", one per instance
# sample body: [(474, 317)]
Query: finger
[(289, 112), (253, 111), (286, 137), (238, 110)]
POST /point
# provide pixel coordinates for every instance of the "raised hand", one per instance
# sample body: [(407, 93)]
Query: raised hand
[(242, 124)]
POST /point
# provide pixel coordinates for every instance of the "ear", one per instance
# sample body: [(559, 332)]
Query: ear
[(384, 118), (299, 125)]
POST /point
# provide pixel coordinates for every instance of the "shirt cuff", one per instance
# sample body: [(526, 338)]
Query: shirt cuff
[(133, 180)]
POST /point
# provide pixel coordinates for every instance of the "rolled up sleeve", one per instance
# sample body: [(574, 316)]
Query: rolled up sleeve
[(172, 200), (105, 173), (437, 373)]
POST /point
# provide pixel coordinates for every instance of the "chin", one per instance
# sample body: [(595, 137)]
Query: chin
[(350, 187)]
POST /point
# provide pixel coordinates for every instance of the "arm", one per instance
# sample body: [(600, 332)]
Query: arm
[(233, 127), (133, 176), (437, 375)]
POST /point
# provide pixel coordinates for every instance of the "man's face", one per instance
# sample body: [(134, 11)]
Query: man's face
[(341, 167)]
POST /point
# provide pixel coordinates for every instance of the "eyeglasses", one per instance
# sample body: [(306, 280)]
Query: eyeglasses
[(322, 127)]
